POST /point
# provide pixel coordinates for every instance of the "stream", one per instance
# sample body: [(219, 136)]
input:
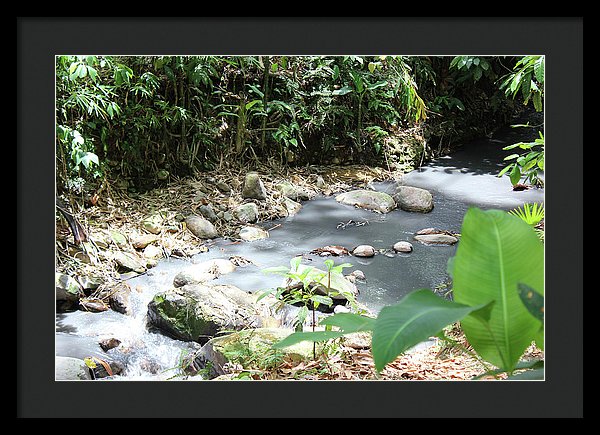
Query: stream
[(465, 178)]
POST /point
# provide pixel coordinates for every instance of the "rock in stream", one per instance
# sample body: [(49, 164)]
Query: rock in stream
[(198, 312), (368, 199), (413, 199)]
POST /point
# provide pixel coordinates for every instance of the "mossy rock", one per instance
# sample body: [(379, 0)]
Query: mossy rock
[(199, 312)]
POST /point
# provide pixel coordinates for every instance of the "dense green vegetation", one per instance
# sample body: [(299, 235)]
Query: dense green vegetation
[(143, 119), (498, 287)]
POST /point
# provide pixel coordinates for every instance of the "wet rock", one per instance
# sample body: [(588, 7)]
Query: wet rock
[(253, 187), (363, 251), (433, 231), (198, 312), (68, 292), (292, 192), (119, 298), (153, 223), (436, 239), (334, 250), (217, 266), (413, 199), (368, 199), (200, 227), (291, 206), (70, 369), (257, 343), (246, 213), (358, 274), (403, 246), (140, 242), (208, 212), (251, 233), (192, 277), (109, 343), (129, 261), (203, 272), (93, 305)]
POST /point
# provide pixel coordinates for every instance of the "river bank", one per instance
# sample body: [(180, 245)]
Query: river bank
[(213, 215)]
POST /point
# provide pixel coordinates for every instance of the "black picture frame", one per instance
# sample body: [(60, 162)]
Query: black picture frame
[(40, 39)]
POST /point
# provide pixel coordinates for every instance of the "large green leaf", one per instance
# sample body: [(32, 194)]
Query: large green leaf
[(349, 322), (496, 252), (419, 315)]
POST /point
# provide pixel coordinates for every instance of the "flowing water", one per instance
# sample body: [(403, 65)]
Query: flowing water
[(466, 178)]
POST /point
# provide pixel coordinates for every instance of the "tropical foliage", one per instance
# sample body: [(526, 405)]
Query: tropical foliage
[(528, 163), (145, 119), (498, 288)]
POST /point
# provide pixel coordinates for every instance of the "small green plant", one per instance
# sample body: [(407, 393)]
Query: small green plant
[(529, 163), (306, 286), (532, 214), (498, 281)]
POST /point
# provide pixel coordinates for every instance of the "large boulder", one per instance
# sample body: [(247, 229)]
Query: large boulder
[(253, 187), (368, 199), (249, 349), (413, 199), (246, 213), (201, 227), (199, 312)]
